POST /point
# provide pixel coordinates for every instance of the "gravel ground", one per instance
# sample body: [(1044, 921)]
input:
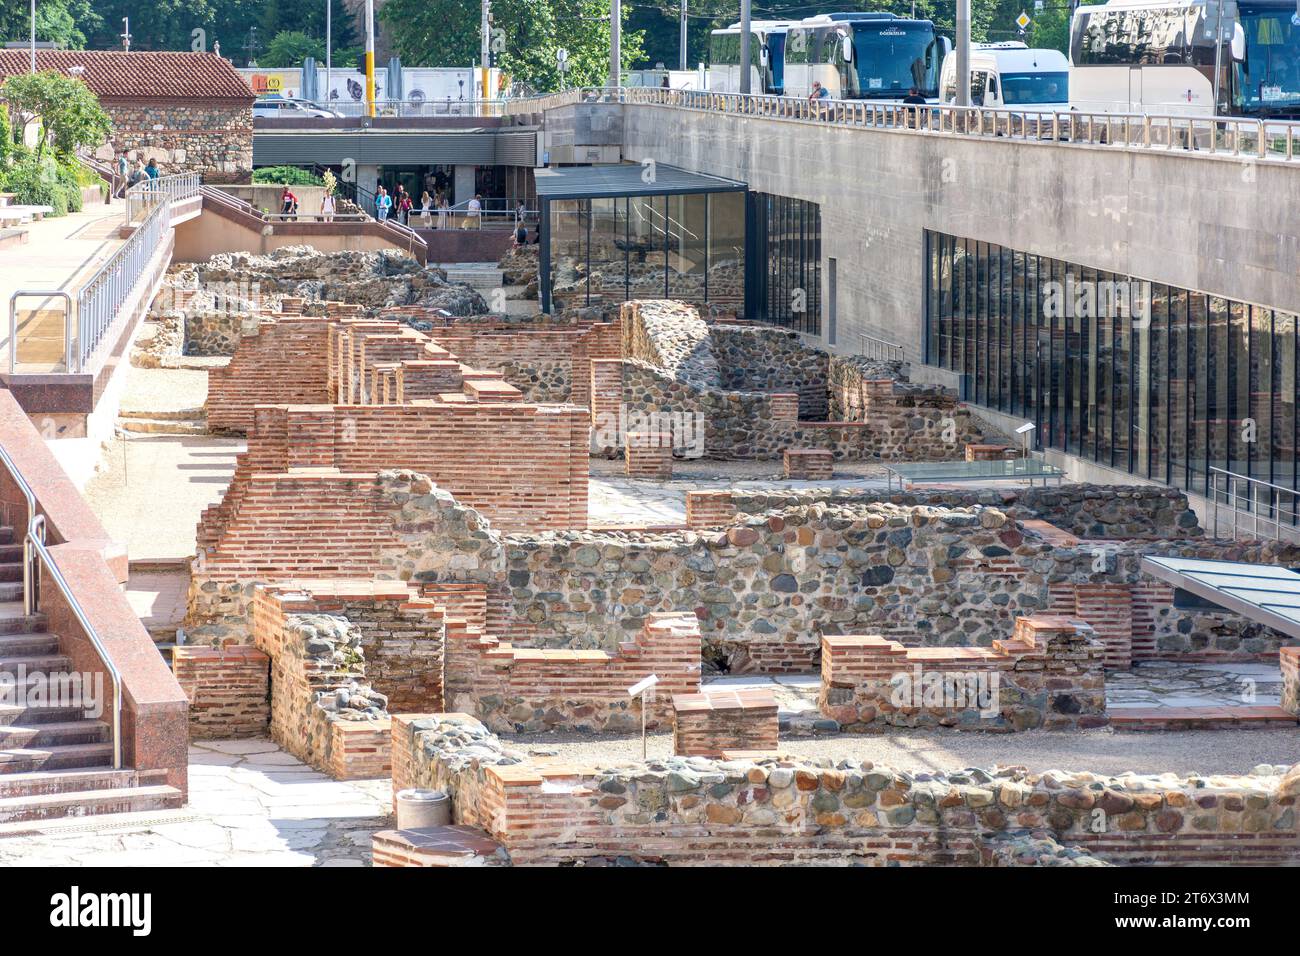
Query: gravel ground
[(1098, 751), (164, 389)]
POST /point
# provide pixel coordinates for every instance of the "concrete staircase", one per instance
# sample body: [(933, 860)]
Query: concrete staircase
[(55, 761), (483, 277)]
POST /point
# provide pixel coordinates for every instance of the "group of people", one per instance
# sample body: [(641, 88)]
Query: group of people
[(289, 205), (403, 207), (128, 175)]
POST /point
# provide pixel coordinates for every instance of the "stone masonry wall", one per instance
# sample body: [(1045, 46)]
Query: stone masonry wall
[(191, 136), (775, 811)]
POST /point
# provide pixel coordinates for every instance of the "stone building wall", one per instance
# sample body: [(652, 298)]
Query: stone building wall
[(213, 140), (757, 358), (685, 811)]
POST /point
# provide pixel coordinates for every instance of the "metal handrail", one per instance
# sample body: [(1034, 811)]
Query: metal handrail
[(29, 595), (1237, 136), (36, 543), (873, 348), (1252, 500), (35, 553)]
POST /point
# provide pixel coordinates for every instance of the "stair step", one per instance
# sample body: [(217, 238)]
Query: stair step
[(53, 734), (33, 664), (63, 781), (56, 757), (166, 414), (162, 426), (11, 571), (11, 590), (6, 535), (16, 715), (11, 552), (89, 803), (26, 645), (14, 621)]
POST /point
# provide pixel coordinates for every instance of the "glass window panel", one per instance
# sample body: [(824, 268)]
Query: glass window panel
[(1151, 424), (1201, 387), (1284, 401), (1182, 407), (1006, 278), (1222, 439)]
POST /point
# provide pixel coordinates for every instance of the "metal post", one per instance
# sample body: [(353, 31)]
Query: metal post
[(615, 44), (370, 57), (485, 47), (963, 53), (681, 64), (34, 36), (745, 51), (329, 45)]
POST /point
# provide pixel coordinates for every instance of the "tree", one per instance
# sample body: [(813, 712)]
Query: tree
[(63, 21), (289, 48), (526, 34), (70, 114)]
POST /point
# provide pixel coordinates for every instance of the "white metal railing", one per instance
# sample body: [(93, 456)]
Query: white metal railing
[(446, 106), (1188, 134), (873, 348), (37, 556), (147, 193), (1253, 504)]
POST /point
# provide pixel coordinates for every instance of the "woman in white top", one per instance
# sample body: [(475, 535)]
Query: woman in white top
[(426, 204), (442, 211), (327, 207)]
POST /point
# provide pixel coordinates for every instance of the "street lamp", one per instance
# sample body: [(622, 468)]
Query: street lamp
[(126, 34)]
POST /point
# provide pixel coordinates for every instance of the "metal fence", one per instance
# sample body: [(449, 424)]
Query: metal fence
[(447, 106), (1192, 135), (1253, 508)]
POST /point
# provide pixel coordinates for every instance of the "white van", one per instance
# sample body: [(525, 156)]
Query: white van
[(1010, 75)]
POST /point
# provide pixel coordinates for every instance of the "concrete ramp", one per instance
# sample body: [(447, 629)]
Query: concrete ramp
[(1265, 593)]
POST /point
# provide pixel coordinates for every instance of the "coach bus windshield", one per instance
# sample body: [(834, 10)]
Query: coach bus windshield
[(1270, 77), (892, 57), (776, 60)]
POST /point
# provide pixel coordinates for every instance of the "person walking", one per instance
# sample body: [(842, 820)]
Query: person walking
[(426, 209), (123, 173), (288, 203), (327, 207), (911, 100), (442, 210), (404, 206), (520, 212), (152, 170), (383, 203), (815, 99), (138, 175), (474, 213)]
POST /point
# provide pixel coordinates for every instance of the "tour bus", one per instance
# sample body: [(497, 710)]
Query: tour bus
[(1009, 74), (1130, 56), (864, 56), (766, 57)]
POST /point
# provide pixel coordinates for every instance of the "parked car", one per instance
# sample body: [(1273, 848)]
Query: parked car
[(283, 107)]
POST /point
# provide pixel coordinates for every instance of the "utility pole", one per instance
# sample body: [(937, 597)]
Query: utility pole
[(329, 47), (370, 57), (1218, 50), (34, 35), (485, 46), (745, 51), (963, 53), (615, 44), (682, 64), (126, 34)]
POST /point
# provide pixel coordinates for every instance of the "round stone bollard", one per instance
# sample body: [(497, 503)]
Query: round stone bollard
[(417, 809)]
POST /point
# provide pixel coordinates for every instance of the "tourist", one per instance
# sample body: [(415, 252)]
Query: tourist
[(426, 206), (288, 203), (442, 210), (152, 170), (474, 213), (404, 206), (327, 207), (138, 175), (123, 173), (521, 235), (383, 203), (520, 212)]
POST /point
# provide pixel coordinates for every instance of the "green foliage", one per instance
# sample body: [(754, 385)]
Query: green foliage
[(69, 113), (6, 139), (289, 48), (530, 30), (286, 175), (35, 181), (63, 21)]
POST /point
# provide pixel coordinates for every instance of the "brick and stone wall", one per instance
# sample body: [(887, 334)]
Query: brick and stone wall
[(227, 688), (685, 811), (1290, 661), (285, 363), (1048, 675), (522, 689), (717, 723), (214, 140)]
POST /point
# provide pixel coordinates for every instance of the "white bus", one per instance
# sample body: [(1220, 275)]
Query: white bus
[(766, 57), (1009, 74), (864, 56), (1160, 57)]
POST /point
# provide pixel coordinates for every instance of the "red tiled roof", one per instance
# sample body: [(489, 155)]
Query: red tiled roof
[(139, 74)]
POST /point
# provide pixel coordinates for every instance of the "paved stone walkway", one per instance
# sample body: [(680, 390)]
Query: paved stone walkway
[(1166, 684), (251, 804)]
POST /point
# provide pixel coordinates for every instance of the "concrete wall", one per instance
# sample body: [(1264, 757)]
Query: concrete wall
[(1215, 224)]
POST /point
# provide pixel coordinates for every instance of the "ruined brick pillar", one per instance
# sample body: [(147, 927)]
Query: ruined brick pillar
[(1290, 660), (709, 509), (649, 455)]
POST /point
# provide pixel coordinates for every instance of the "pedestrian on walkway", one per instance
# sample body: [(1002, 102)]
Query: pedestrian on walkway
[(327, 207), (404, 206), (442, 210), (474, 213), (383, 203), (426, 209), (123, 173), (152, 170), (288, 203)]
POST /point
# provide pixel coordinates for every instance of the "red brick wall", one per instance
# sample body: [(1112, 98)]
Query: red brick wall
[(523, 466), (227, 688), (285, 363), (710, 724), (1290, 661)]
